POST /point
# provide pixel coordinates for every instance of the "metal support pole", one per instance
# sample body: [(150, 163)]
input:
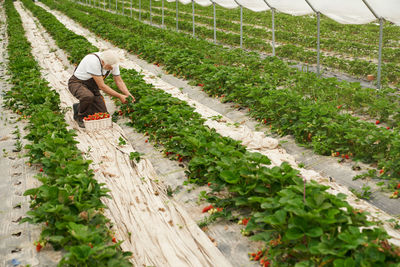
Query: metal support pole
[(193, 18), (318, 33), (162, 17), (380, 53), (273, 27), (215, 25), (273, 31), (241, 27), (151, 19), (318, 41), (370, 9), (140, 10), (177, 11), (241, 24), (378, 84)]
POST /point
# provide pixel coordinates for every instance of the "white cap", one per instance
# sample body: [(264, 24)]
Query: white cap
[(109, 57)]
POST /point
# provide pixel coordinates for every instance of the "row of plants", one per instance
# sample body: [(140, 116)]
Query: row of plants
[(298, 221), (340, 45), (296, 46), (315, 123), (365, 101), (67, 204), (305, 25), (303, 229)]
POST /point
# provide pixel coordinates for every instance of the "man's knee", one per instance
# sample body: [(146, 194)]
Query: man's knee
[(88, 98)]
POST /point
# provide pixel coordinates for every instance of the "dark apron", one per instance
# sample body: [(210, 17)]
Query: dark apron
[(88, 93)]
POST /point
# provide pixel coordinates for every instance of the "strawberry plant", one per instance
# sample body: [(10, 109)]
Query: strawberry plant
[(306, 224), (68, 200), (247, 80)]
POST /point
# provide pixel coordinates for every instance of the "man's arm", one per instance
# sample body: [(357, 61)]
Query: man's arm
[(122, 87), (108, 90)]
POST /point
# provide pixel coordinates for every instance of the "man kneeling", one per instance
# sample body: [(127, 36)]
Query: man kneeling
[(87, 81)]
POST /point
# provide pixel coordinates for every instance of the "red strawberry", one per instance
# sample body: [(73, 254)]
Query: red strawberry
[(220, 209), (90, 245), (346, 156), (114, 240), (38, 247), (398, 186), (147, 140), (245, 221), (381, 171), (41, 170), (337, 154), (180, 159), (208, 184), (339, 106), (377, 122), (207, 208), (388, 128)]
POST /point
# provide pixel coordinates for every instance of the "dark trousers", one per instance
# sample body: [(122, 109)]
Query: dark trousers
[(88, 94)]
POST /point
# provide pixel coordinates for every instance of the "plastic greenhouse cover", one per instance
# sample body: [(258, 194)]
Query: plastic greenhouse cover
[(342, 11), (254, 5)]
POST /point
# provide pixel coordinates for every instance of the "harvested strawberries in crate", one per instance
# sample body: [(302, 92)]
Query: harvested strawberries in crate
[(98, 121)]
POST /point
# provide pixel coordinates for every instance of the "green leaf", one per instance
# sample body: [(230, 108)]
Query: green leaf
[(229, 177), (349, 262), (81, 252), (305, 264), (263, 236), (294, 233), (79, 231), (56, 238), (314, 232)]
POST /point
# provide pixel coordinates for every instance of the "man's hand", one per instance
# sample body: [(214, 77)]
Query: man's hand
[(133, 98), (123, 98)]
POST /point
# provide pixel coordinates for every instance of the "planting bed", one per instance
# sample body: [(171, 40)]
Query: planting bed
[(296, 216), (233, 75), (346, 48)]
